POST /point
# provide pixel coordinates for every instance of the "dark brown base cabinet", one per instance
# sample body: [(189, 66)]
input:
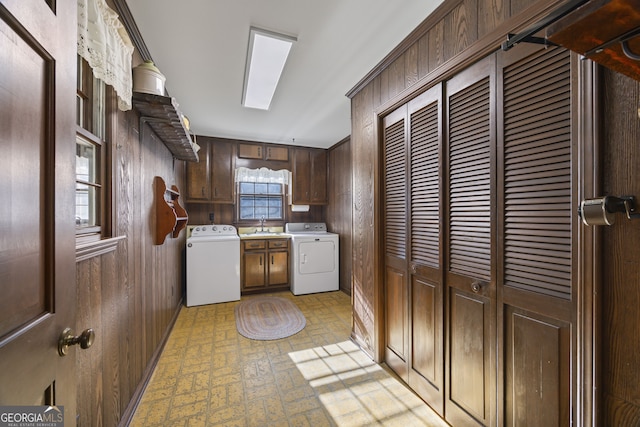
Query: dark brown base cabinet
[(479, 231), (264, 265)]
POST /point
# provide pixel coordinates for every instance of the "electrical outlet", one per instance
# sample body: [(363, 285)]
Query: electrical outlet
[(211, 217)]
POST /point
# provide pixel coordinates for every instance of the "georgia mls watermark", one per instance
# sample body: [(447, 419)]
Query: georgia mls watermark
[(31, 416)]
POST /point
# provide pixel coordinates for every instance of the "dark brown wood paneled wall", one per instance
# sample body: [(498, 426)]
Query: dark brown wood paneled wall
[(130, 296), (339, 207), (620, 257)]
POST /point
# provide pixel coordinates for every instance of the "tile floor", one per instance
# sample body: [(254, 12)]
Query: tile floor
[(209, 375)]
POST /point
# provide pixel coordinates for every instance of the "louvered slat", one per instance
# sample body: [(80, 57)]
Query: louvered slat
[(537, 180), (470, 182), (425, 187), (395, 190)]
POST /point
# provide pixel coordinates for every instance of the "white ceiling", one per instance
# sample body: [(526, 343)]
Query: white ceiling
[(201, 47)]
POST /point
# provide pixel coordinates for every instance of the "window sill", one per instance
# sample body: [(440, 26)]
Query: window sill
[(85, 251)]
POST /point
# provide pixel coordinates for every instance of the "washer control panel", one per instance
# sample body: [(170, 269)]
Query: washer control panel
[(214, 230)]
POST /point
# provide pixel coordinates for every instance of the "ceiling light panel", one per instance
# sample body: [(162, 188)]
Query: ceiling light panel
[(266, 56)]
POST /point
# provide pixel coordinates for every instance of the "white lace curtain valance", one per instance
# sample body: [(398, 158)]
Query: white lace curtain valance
[(264, 175), (104, 43)]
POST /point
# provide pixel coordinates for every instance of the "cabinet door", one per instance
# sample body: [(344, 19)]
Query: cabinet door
[(250, 151), (318, 179), (280, 154), (278, 268), (301, 176), (253, 270), (222, 159), (199, 177)]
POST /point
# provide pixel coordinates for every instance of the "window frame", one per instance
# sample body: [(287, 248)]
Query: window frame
[(252, 221), (95, 124)]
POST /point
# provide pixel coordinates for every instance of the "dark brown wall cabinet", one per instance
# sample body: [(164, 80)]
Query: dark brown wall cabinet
[(309, 176), (211, 179), (263, 152), (481, 327), (265, 264)]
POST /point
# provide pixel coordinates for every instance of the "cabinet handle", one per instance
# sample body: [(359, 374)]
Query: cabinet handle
[(215, 191), (260, 261), (271, 259), (202, 191), (259, 151), (254, 245)]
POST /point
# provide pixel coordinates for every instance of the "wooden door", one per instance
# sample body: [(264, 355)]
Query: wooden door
[(301, 176), (470, 284), (253, 269), (318, 177), (538, 221), (199, 176), (223, 167), (396, 289), (250, 151), (426, 361), (278, 268), (280, 154), (37, 236)]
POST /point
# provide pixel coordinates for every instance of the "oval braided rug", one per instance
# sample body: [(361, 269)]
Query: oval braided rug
[(268, 318)]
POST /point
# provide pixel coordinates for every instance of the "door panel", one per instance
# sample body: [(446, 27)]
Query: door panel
[(396, 287), (254, 269), (37, 238), (278, 268), (470, 375), (537, 366), (396, 321), (426, 364), (316, 257), (538, 269), (470, 357)]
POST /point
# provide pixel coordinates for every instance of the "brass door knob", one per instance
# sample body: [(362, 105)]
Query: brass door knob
[(67, 338)]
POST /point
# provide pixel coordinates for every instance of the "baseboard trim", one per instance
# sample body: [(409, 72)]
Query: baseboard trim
[(130, 410)]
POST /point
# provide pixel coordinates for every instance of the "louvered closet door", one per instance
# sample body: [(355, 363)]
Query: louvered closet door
[(396, 297), (538, 222), (426, 358), (470, 374)]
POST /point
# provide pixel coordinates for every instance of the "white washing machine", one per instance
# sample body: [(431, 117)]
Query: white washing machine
[(213, 265), (315, 258)]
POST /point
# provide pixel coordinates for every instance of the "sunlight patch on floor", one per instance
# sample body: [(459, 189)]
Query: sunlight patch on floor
[(358, 392)]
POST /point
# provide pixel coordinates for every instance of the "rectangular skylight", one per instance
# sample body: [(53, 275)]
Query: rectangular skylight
[(267, 54)]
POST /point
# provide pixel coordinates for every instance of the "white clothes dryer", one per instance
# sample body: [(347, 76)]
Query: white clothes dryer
[(315, 258)]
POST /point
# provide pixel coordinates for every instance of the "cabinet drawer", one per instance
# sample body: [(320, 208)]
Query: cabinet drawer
[(250, 245), (278, 244)]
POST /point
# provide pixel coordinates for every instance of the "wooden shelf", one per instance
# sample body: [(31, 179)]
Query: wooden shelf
[(164, 117), (596, 29), (171, 218)]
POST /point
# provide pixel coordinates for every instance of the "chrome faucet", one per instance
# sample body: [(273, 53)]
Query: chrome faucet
[(262, 224)]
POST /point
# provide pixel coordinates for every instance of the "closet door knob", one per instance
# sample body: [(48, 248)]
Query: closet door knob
[(476, 287)]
